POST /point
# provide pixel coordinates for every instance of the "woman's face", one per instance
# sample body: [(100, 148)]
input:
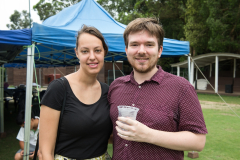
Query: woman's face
[(90, 52)]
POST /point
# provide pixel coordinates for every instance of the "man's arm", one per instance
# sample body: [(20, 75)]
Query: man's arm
[(183, 140), (21, 144)]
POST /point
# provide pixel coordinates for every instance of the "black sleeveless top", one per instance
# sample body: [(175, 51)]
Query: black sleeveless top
[(85, 129)]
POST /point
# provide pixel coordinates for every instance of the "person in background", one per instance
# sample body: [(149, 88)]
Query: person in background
[(6, 85), (170, 119), (34, 126), (86, 125)]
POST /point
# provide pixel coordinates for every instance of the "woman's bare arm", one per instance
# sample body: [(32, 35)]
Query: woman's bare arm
[(49, 119)]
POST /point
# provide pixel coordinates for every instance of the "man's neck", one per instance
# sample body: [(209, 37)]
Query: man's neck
[(141, 77)]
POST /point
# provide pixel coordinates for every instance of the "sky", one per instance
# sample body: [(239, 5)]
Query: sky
[(7, 8)]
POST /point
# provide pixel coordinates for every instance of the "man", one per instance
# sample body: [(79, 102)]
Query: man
[(33, 135), (170, 119)]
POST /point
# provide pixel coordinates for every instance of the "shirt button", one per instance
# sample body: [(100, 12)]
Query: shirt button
[(139, 86), (126, 145)]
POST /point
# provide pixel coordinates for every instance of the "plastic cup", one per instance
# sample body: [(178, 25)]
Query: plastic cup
[(128, 111)]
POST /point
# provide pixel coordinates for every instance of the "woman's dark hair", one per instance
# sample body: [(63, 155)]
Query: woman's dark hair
[(95, 32), (21, 117)]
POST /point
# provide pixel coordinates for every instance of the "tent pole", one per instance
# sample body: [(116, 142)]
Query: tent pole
[(189, 68), (1, 101), (196, 74), (192, 72), (178, 71), (114, 76), (28, 100)]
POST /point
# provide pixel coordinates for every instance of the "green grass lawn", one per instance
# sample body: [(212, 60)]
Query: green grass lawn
[(9, 145), (216, 98)]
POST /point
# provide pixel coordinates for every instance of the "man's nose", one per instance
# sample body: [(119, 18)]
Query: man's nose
[(142, 49)]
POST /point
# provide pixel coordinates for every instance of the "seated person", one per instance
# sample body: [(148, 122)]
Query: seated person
[(6, 85), (33, 135)]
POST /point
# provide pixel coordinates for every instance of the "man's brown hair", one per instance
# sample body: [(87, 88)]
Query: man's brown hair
[(149, 24), (95, 32)]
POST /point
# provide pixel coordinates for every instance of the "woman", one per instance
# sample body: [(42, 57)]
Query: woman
[(86, 125)]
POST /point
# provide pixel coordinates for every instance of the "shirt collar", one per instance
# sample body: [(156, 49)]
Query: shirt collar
[(157, 77)]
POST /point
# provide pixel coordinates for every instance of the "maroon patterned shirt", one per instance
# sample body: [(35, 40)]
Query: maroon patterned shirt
[(166, 102)]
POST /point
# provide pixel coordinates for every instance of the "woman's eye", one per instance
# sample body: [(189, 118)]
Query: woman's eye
[(98, 50), (84, 51)]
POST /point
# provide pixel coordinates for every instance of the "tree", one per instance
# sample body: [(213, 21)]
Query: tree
[(213, 26), (48, 8), (196, 30), (224, 25), (19, 20)]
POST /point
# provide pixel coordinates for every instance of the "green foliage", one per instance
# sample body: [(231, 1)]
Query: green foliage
[(48, 8), (19, 20), (224, 25), (182, 58), (213, 25), (196, 29), (170, 13), (165, 63)]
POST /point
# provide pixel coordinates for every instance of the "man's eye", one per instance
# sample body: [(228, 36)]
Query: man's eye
[(149, 44), (134, 44)]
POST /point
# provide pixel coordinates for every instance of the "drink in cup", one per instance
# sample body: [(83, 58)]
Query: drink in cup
[(128, 112)]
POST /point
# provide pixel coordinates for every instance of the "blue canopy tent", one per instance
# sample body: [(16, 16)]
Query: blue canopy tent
[(12, 42), (61, 30)]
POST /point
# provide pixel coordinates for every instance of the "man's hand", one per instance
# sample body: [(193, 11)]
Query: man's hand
[(22, 152), (31, 156), (133, 130)]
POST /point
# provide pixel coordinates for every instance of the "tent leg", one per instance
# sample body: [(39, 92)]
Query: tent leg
[(1, 102), (28, 109), (178, 71), (114, 76), (192, 72), (189, 68)]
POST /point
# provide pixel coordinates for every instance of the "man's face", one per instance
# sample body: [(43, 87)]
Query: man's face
[(142, 51)]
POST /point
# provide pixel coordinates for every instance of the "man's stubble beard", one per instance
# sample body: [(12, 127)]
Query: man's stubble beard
[(150, 68)]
